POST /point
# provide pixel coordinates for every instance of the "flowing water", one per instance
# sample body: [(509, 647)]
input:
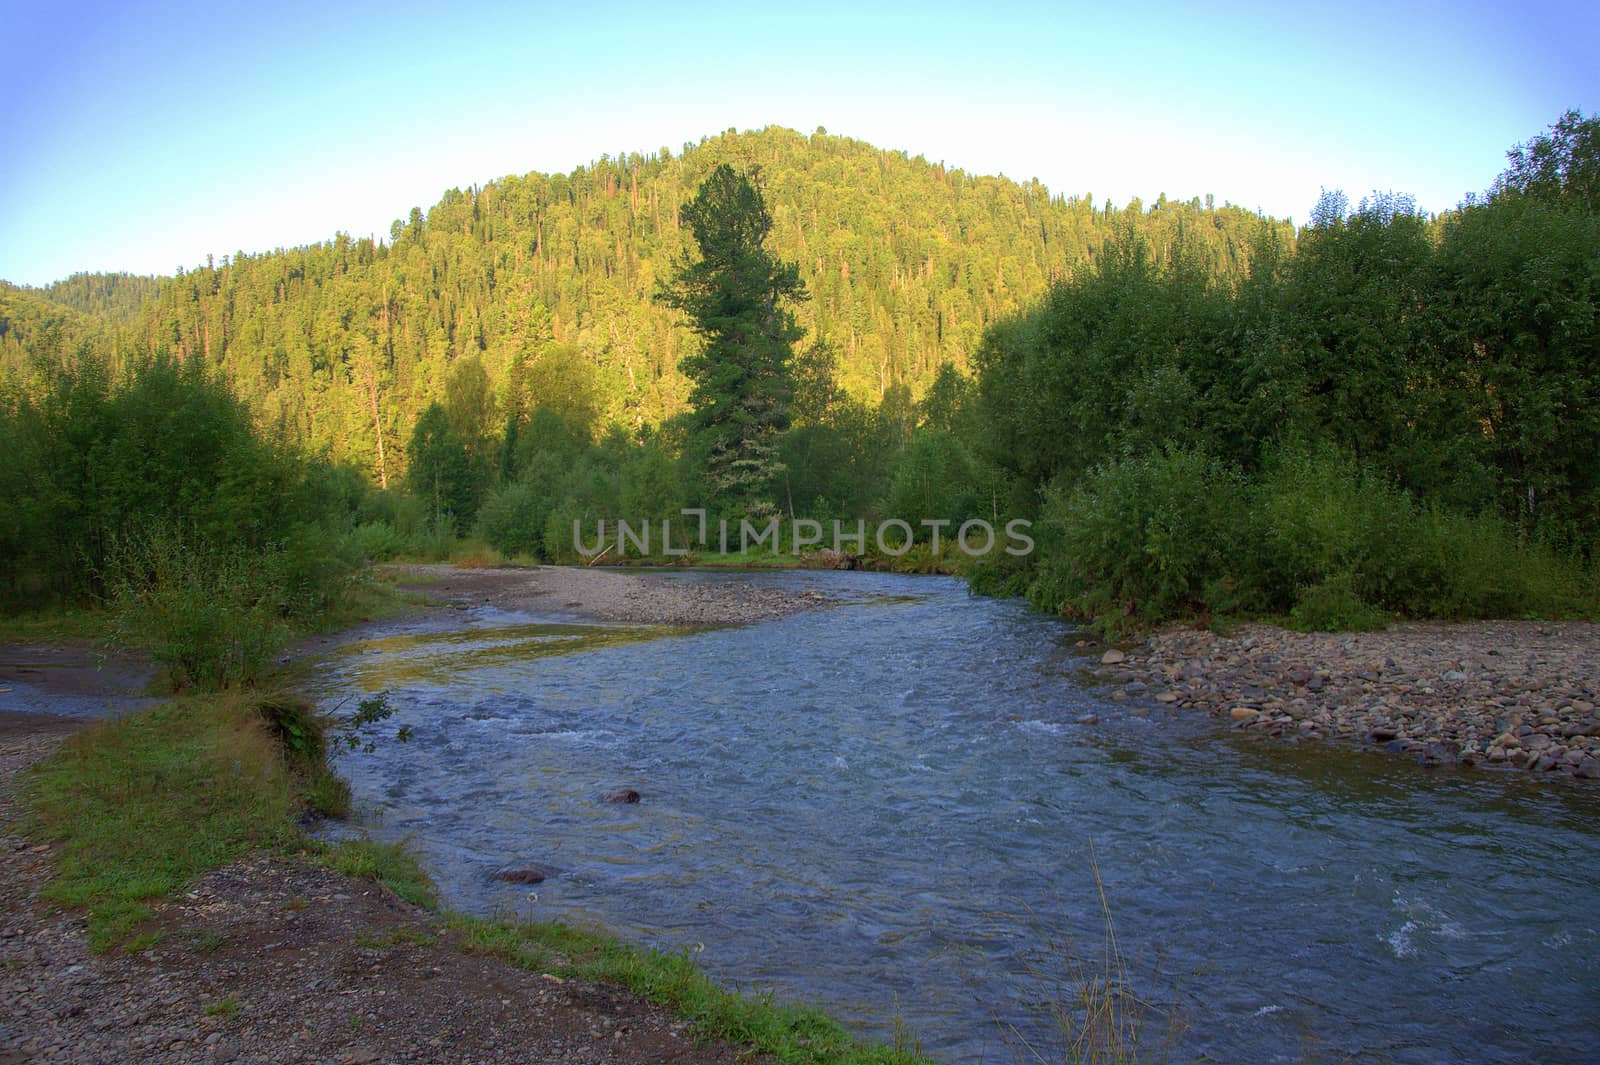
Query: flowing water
[(890, 808)]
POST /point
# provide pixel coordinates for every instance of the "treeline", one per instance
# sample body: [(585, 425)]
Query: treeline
[(341, 346), (1204, 413), (1401, 417), (152, 491)]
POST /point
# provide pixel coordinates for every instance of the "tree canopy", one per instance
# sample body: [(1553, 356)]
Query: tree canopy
[(735, 294)]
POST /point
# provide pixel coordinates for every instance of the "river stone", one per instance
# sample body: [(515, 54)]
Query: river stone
[(1589, 769), (1089, 719), (1244, 713), (621, 795), (524, 874), (1113, 657), (1167, 697)]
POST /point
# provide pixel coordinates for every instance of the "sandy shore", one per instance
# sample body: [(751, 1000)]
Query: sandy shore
[(609, 595), (1520, 694)]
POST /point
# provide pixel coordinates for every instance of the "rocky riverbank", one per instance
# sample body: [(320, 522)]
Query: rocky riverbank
[(1515, 694), (609, 595)]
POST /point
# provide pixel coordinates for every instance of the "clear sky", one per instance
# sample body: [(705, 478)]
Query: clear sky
[(143, 136)]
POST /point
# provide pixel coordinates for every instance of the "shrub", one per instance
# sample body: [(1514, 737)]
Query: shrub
[(209, 615), (377, 541), (1334, 606), (1144, 539), (513, 519)]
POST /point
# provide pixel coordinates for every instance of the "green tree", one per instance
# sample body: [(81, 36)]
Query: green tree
[(735, 297), (443, 473)]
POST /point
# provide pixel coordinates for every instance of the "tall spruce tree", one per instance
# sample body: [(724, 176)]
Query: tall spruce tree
[(735, 296)]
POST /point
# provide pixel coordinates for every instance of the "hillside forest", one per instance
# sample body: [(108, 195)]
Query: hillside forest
[(1202, 410)]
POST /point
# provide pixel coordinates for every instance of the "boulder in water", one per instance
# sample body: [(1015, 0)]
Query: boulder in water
[(521, 874), (621, 795)]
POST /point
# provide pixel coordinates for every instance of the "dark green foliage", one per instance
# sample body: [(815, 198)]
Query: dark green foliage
[(1316, 536), (444, 474), (1561, 167), (295, 722), (1401, 419), (155, 495), (96, 466), (735, 295), (210, 614), (1334, 606), (1145, 539), (936, 479)]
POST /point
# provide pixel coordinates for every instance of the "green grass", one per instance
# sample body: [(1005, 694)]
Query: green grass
[(391, 864), (788, 1033), (224, 1008), (142, 805), (58, 625), (373, 596), (758, 558)]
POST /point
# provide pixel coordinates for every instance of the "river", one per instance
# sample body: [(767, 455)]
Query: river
[(892, 809)]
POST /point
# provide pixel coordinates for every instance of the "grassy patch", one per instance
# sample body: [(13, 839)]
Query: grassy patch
[(398, 937), (391, 864), (223, 1008), (788, 1033), (63, 625), (758, 558), (142, 805), (373, 597)]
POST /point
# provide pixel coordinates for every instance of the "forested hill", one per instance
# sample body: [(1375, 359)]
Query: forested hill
[(907, 262)]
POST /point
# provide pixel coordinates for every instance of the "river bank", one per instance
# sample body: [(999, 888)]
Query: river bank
[(274, 949), (277, 958), (606, 594), (1514, 694)]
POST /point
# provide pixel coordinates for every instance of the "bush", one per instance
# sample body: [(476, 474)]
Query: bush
[(209, 615), (513, 520), (1334, 606), (377, 541), (296, 725), (1141, 540)]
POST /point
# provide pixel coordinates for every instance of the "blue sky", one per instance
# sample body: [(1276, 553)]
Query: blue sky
[(144, 136)]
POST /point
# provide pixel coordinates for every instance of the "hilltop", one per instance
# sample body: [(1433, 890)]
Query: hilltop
[(907, 263)]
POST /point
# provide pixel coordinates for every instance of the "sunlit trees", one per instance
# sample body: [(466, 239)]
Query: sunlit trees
[(736, 295)]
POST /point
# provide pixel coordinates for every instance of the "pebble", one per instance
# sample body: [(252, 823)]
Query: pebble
[(1505, 693)]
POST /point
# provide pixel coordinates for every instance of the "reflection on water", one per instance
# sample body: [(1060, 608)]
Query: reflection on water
[(893, 805), (432, 657)]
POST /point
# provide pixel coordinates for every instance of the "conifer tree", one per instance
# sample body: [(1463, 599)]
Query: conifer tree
[(735, 296)]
